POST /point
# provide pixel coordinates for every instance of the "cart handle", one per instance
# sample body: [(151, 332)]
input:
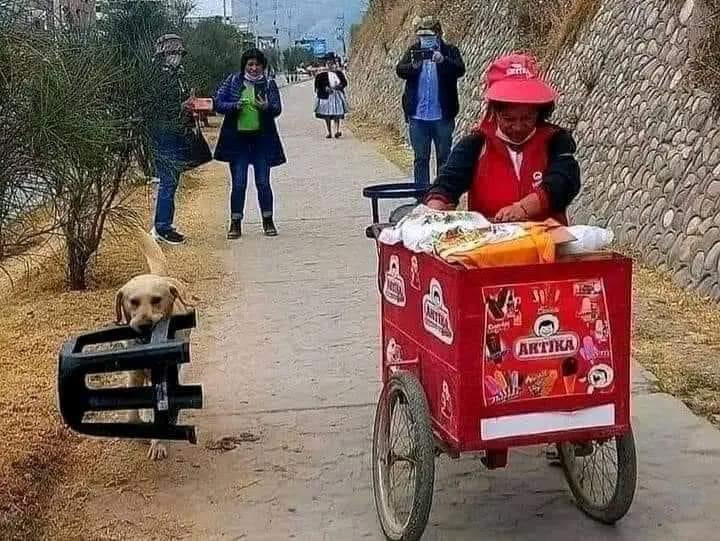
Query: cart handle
[(392, 190)]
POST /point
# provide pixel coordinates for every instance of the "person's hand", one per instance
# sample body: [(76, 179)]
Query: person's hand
[(417, 64), (262, 103), (437, 57), (239, 105), (439, 204), (511, 213)]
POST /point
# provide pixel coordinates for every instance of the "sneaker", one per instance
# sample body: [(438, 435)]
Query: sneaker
[(170, 237), (269, 227), (235, 231)]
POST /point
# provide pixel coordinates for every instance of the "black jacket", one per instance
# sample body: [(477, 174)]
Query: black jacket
[(322, 83), (561, 181), (449, 71)]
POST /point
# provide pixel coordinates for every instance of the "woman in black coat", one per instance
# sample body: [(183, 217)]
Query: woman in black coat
[(330, 101)]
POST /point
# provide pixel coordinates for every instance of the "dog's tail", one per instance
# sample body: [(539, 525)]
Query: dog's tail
[(153, 254)]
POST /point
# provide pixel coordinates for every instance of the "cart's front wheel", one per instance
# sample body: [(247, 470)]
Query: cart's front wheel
[(602, 475), (403, 459)]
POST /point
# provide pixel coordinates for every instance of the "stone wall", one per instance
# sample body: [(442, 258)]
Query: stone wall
[(649, 141)]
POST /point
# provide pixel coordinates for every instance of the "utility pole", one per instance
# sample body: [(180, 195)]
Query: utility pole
[(225, 17), (340, 32)]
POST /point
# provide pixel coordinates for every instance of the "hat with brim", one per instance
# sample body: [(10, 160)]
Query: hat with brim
[(532, 91), (427, 26), (169, 44), (515, 78)]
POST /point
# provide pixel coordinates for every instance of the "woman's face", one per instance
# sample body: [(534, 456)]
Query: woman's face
[(331, 65), (254, 68), (517, 121)]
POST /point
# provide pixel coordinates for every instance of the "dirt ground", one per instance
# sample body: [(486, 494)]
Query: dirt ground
[(676, 332), (44, 468)]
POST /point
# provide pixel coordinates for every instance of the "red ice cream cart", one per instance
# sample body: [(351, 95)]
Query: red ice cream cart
[(484, 360)]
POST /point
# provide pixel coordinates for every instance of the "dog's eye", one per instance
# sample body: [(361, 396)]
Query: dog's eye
[(135, 303), (156, 300)]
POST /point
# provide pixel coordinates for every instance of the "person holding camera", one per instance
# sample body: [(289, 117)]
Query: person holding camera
[(431, 68)]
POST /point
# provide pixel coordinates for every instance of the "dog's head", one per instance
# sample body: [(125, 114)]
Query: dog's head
[(146, 300)]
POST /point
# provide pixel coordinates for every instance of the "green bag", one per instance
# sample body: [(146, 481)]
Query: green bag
[(249, 115)]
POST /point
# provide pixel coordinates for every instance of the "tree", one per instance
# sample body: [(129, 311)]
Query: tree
[(214, 51), (296, 56)]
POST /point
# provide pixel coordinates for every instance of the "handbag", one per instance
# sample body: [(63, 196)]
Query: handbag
[(198, 150)]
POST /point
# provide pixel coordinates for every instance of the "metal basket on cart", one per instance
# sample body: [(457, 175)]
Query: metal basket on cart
[(488, 359)]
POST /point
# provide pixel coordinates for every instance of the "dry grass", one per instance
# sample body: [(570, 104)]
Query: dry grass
[(705, 47), (548, 27), (44, 467), (676, 333)]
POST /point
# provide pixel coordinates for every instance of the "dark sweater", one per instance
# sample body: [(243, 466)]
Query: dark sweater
[(322, 83), (561, 180), (449, 71)]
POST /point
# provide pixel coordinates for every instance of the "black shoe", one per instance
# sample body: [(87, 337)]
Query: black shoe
[(328, 136), (235, 231), (269, 227), (170, 236), (338, 135)]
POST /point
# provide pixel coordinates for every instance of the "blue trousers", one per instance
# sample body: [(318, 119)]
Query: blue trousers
[(423, 134), (239, 174), (169, 174)]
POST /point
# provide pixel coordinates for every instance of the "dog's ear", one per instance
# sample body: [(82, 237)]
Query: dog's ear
[(175, 292), (119, 308)]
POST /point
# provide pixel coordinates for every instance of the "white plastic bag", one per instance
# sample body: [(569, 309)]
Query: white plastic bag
[(589, 238)]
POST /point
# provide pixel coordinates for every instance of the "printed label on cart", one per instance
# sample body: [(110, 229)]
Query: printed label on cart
[(436, 317), (394, 288), (546, 339)]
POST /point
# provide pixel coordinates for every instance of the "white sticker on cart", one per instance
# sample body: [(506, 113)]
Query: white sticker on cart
[(394, 288), (436, 317)]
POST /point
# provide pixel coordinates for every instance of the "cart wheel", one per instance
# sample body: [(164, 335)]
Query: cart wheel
[(602, 475), (403, 459)]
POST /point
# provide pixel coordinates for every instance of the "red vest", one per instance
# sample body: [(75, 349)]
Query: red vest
[(496, 185)]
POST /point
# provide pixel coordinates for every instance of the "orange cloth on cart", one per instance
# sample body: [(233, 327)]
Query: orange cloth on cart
[(475, 249)]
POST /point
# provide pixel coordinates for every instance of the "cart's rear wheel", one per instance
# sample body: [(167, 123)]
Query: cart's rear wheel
[(403, 459), (602, 475)]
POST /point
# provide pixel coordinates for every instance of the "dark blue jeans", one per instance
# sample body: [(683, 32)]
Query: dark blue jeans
[(168, 171), (239, 173), (423, 134)]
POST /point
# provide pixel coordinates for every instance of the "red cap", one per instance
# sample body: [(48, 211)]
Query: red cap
[(515, 78)]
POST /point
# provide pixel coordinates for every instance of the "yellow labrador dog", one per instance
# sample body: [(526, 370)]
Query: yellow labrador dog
[(143, 302)]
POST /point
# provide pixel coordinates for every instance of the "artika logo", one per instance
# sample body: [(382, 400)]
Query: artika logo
[(436, 317), (394, 288), (547, 342)]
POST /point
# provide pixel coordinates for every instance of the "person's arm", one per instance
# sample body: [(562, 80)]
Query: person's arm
[(456, 175), (561, 182), (343, 80), (318, 87), (274, 108), (405, 68), (453, 63), (225, 102)]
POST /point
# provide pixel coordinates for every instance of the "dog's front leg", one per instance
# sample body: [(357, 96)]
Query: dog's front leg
[(157, 451)]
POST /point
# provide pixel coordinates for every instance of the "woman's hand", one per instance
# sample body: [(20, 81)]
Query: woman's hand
[(512, 213), (439, 204), (239, 105), (262, 103)]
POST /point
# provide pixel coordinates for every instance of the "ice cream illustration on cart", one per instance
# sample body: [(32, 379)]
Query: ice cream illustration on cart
[(569, 374), (414, 273)]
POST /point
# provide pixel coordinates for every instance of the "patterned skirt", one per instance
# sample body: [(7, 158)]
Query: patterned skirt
[(335, 107)]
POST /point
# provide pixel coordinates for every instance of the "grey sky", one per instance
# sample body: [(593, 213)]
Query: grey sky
[(310, 18)]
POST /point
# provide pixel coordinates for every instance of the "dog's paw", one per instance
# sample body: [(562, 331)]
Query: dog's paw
[(157, 451)]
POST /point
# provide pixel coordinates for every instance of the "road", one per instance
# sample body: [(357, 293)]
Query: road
[(290, 357)]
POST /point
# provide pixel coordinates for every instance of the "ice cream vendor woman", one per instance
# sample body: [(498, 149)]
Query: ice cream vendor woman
[(515, 165)]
